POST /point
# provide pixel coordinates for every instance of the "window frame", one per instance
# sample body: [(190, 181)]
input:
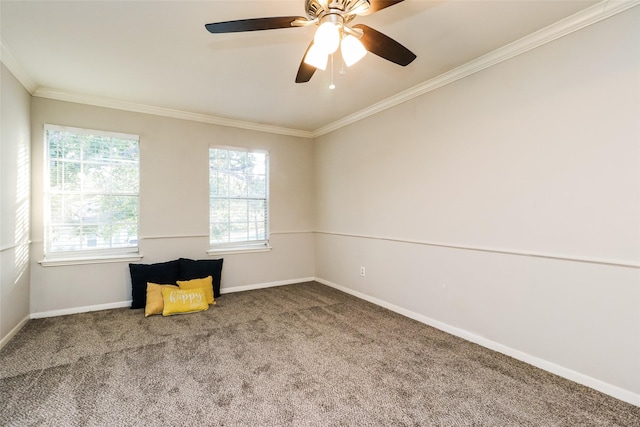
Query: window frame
[(249, 245), (83, 256)]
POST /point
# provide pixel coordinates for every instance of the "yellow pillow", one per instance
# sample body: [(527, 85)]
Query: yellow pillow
[(155, 304), (183, 301), (206, 284)]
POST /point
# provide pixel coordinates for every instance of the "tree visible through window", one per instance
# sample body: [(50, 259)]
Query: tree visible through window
[(238, 186), (91, 192)]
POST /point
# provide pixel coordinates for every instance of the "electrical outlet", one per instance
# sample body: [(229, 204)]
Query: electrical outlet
[(362, 271)]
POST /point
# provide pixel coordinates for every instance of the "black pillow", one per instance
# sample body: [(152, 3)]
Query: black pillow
[(163, 273), (198, 269)]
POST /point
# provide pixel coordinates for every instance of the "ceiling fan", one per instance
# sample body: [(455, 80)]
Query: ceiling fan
[(331, 17)]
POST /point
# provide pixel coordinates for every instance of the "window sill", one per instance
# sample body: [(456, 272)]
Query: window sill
[(57, 262), (239, 250)]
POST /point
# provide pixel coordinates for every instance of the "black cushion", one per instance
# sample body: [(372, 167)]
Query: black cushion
[(163, 273), (198, 269)]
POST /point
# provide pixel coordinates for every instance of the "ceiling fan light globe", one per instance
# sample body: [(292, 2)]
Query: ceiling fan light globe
[(352, 50), (316, 58), (327, 38)]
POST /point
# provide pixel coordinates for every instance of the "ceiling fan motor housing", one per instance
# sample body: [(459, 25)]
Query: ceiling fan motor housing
[(339, 11)]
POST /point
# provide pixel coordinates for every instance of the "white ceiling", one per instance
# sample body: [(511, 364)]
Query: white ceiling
[(158, 53)]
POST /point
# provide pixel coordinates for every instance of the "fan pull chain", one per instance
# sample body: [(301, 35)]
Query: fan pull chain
[(332, 86)]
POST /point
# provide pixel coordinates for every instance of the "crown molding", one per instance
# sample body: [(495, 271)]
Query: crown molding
[(582, 19), (9, 60), (12, 64), (165, 112)]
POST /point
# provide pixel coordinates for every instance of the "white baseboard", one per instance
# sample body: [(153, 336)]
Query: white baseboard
[(606, 388), (231, 289), (13, 332), (84, 309), (611, 390), (121, 304)]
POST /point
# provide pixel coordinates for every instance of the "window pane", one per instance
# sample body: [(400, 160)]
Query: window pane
[(93, 191), (64, 176), (219, 233), (124, 149), (55, 175), (257, 231), (257, 210), (60, 208), (219, 184), (238, 232), (219, 159), (96, 149), (219, 210), (238, 186), (257, 186), (65, 238), (124, 177), (123, 210), (71, 146), (237, 161), (91, 209), (258, 163), (71, 176), (91, 236), (96, 177), (238, 210), (56, 147)]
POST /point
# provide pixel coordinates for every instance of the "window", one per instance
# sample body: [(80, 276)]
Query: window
[(238, 202), (91, 193)]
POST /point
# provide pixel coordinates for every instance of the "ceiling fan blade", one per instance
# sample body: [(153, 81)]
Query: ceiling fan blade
[(384, 46), (305, 72), (377, 5), (254, 24)]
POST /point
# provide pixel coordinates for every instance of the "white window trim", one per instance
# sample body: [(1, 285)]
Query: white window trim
[(90, 131), (251, 246), (53, 259), (57, 262), (244, 249)]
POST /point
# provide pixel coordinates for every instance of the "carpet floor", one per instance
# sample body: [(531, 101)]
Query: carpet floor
[(301, 355)]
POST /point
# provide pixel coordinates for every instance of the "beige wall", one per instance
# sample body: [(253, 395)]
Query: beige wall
[(14, 205), (174, 205), (504, 207)]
